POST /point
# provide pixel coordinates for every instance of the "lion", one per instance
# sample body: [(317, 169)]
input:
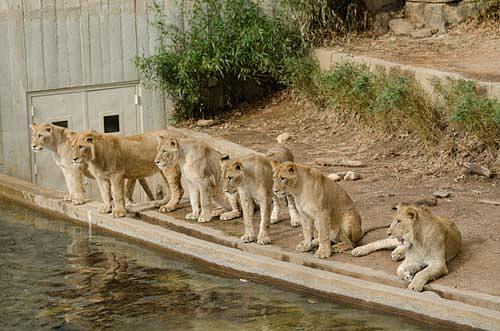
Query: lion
[(280, 153), (199, 164), (111, 159), (424, 240), (57, 140), (321, 204)]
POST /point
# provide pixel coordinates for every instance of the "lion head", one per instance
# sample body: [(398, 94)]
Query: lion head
[(41, 135), (284, 177), (83, 147), (232, 174), (403, 225), (168, 152)]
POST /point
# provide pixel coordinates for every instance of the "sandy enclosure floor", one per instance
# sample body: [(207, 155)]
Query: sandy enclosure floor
[(393, 173), (467, 49)]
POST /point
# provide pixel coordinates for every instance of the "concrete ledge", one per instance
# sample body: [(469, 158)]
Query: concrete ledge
[(267, 263), (329, 58)]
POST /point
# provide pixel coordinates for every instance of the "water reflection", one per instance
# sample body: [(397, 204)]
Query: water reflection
[(53, 276)]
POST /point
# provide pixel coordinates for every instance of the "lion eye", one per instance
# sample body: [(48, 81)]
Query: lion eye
[(398, 221), (282, 179), (40, 136), (229, 178)]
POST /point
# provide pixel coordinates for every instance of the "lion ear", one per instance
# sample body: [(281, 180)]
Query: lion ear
[(412, 213), (275, 164), (224, 159), (160, 139), (32, 126), (89, 139), (238, 166), (173, 142), (291, 169), (48, 129)]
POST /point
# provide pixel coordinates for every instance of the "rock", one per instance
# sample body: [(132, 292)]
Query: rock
[(351, 175), (334, 177), (430, 202), (205, 123), (471, 168), (326, 162), (441, 194), (284, 137), (400, 27), (422, 33), (490, 202), (380, 24)]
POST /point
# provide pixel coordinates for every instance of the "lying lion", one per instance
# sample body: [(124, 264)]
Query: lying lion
[(424, 240), (111, 159)]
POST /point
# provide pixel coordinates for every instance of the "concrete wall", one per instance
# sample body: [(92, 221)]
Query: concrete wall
[(59, 44)]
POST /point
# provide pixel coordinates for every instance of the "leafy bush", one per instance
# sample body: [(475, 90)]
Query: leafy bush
[(470, 110), (232, 47), (489, 10), (390, 102)]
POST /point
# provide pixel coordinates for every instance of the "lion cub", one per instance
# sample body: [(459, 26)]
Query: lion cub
[(200, 167), (426, 242), (322, 204)]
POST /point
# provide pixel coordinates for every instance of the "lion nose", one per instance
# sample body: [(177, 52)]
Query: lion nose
[(33, 146), (75, 159), (157, 162), (389, 233)]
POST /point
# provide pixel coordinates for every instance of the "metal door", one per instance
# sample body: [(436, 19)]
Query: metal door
[(64, 109)]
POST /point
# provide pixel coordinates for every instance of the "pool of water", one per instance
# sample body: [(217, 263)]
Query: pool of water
[(54, 275)]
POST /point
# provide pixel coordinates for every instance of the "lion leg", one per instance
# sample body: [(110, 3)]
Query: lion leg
[(275, 213), (206, 199), (105, 190), (144, 184), (292, 210), (248, 210), (173, 178), (388, 243), (431, 272), (129, 190), (265, 211), (117, 188), (235, 208), (350, 232), (307, 231), (76, 178), (69, 184), (194, 200), (325, 246)]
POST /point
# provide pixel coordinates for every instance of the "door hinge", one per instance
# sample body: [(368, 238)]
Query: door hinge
[(32, 109), (137, 99), (36, 170)]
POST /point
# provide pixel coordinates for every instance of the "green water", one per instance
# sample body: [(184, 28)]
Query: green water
[(53, 275)]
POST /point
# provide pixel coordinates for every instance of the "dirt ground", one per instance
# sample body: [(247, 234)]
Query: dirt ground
[(396, 170), (469, 49)]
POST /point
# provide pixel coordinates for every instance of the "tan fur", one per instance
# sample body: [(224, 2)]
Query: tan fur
[(323, 205), (111, 159), (429, 241), (280, 153), (200, 167)]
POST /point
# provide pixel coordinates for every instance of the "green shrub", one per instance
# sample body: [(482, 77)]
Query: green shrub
[(231, 45), (489, 10), (390, 102), (469, 109)]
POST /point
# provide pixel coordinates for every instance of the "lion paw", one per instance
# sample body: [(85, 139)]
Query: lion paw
[(105, 209), (78, 201), (67, 197), (263, 239), (192, 216), (248, 237), (230, 215), (304, 246), (295, 222), (274, 220), (416, 286), (358, 251), (398, 254), (168, 208), (205, 217), (119, 212), (323, 253)]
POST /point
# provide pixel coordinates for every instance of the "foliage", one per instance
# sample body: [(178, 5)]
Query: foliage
[(321, 21), (230, 45), (470, 110), (389, 101), (489, 10)]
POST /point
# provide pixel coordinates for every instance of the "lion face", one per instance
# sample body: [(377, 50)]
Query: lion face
[(284, 178), (82, 148), (232, 176), (168, 152), (403, 225), (41, 135)]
